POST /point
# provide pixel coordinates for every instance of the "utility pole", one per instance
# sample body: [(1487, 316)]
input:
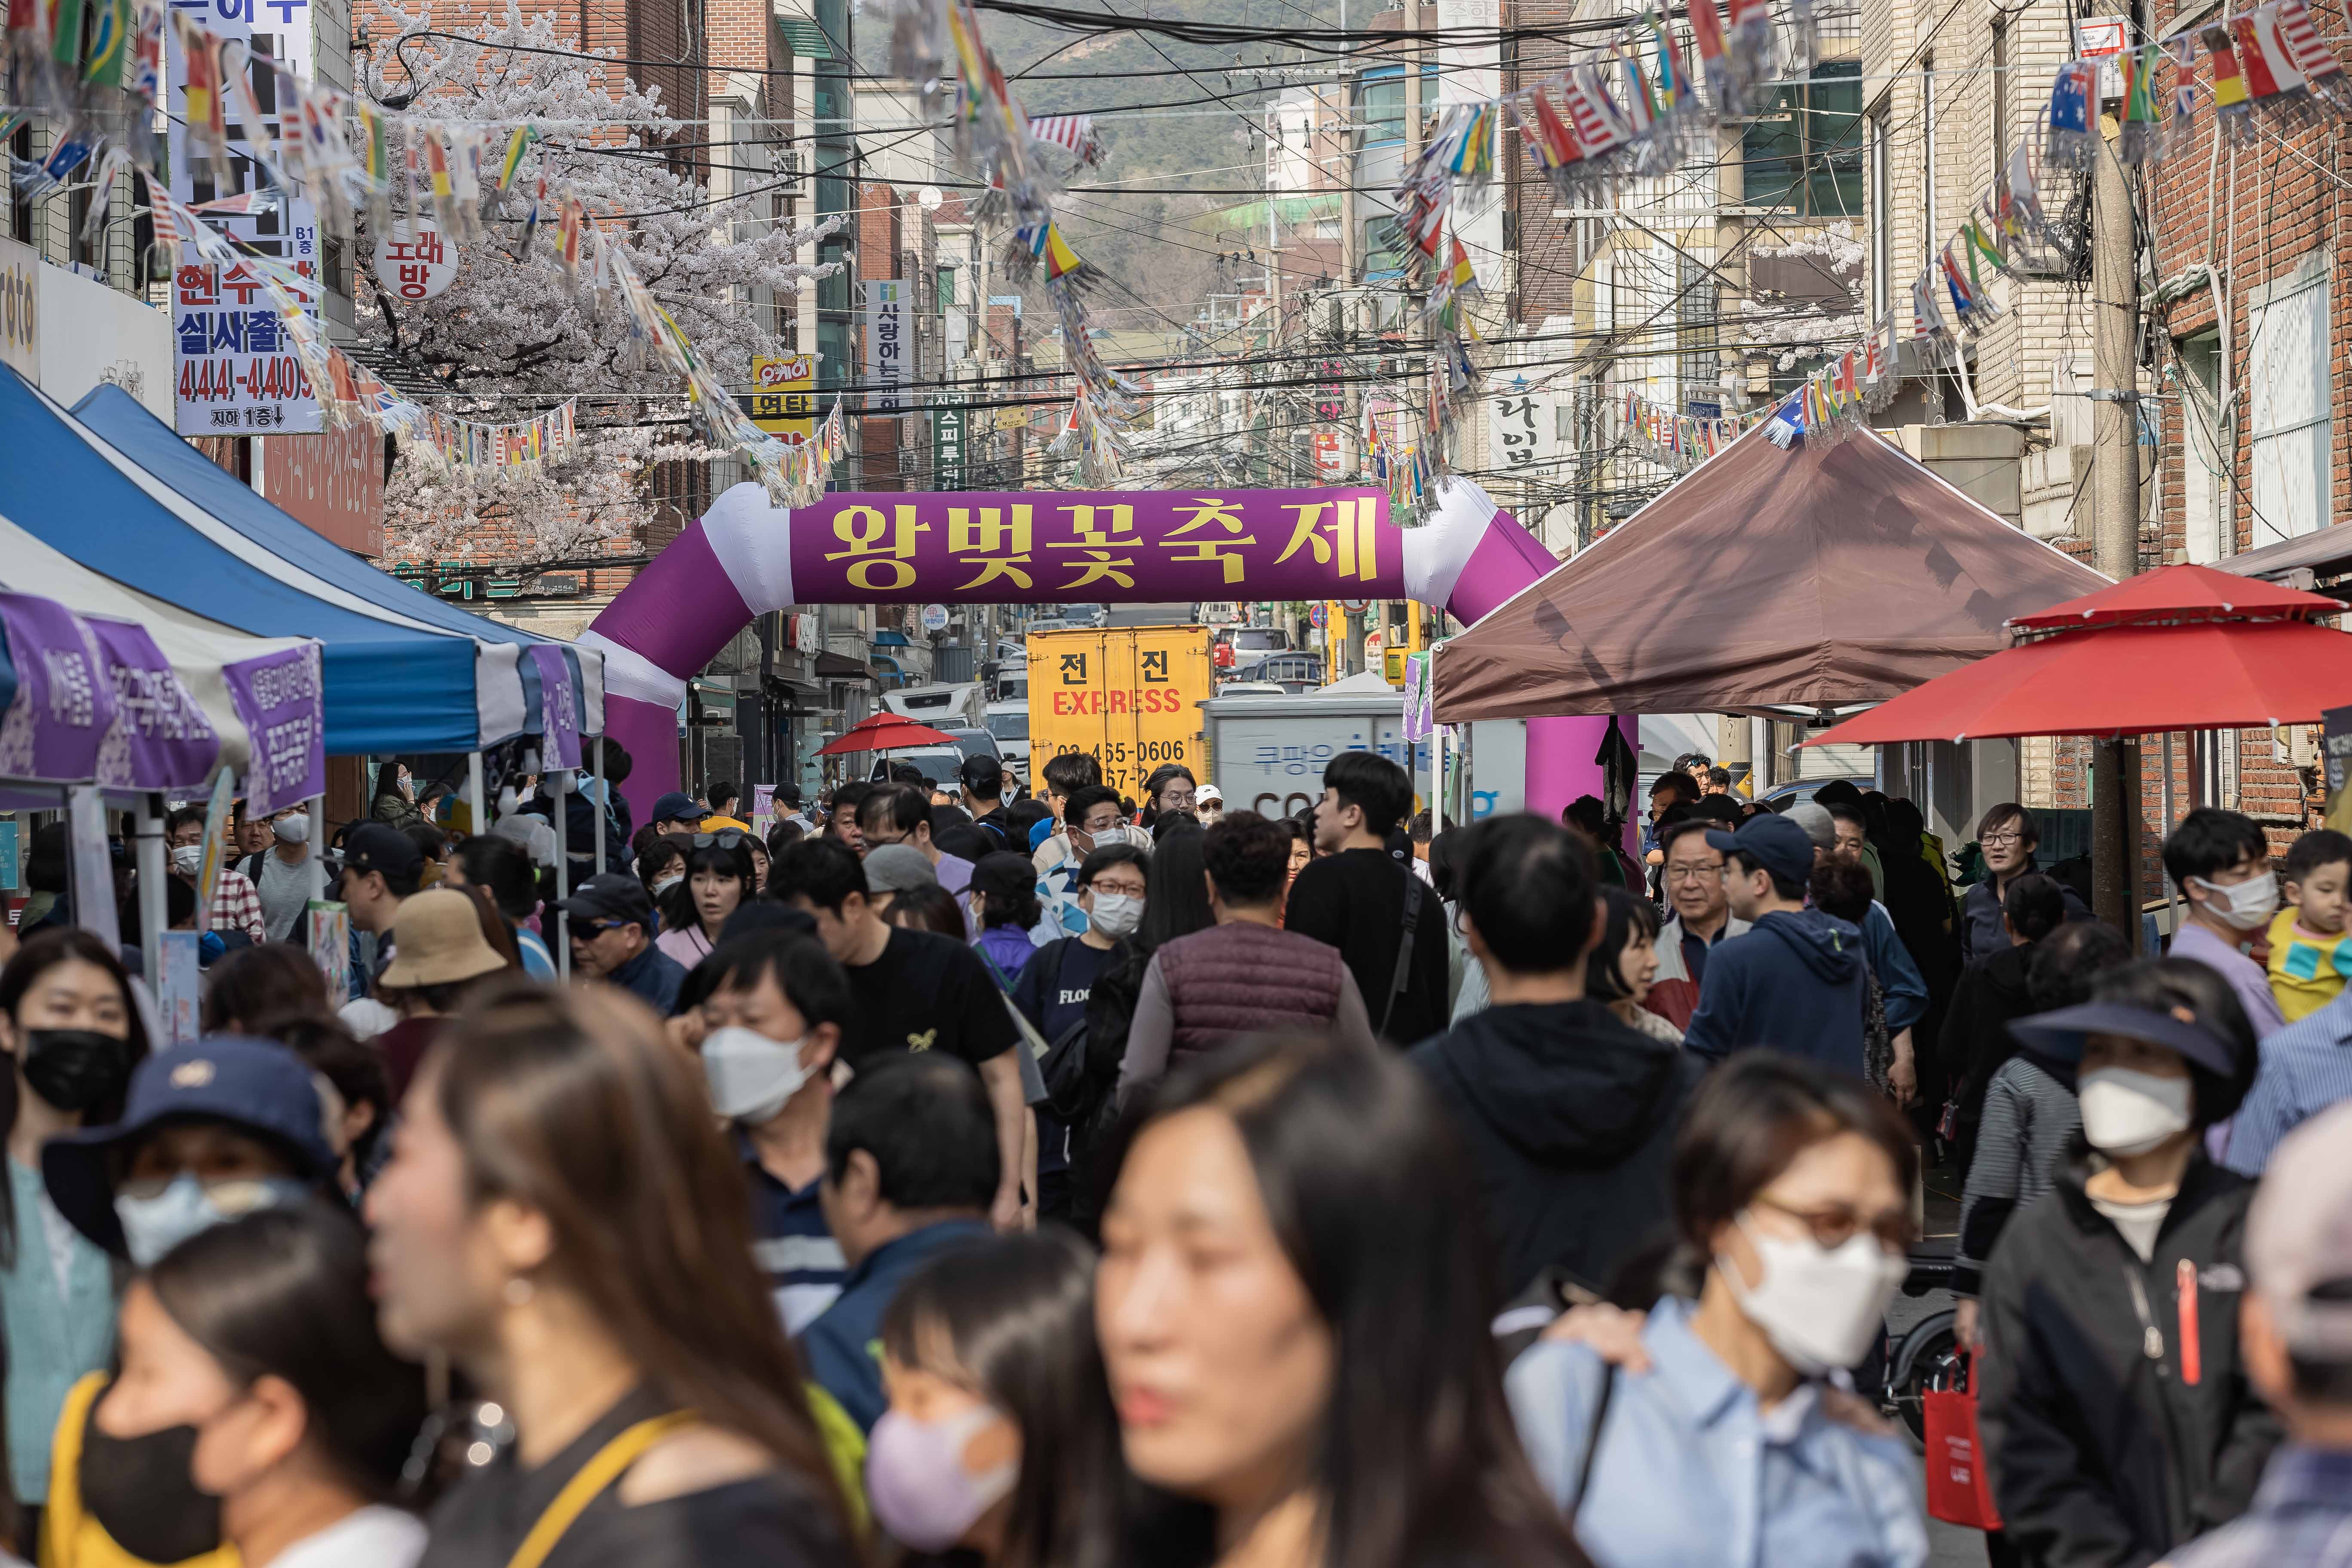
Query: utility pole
[(2115, 513)]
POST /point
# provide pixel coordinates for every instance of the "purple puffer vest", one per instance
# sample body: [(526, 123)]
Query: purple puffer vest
[(1243, 979)]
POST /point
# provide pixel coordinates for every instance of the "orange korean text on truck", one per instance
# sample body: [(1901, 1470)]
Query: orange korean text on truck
[(1129, 697)]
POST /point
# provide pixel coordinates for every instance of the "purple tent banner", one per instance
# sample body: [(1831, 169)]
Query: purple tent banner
[(160, 737), (278, 696), (962, 547), (559, 742), (64, 703)]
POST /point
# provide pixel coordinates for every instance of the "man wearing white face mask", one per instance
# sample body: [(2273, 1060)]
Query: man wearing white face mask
[(287, 875), (767, 1029), (1722, 1441), (236, 906), (2220, 862), (2113, 1402)]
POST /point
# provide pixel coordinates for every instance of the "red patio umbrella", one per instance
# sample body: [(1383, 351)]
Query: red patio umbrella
[(2185, 647), (886, 732)]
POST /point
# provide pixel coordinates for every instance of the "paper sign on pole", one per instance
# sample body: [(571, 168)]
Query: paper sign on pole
[(328, 927), (182, 985)]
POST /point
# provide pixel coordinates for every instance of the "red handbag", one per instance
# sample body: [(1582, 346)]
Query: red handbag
[(1959, 1488)]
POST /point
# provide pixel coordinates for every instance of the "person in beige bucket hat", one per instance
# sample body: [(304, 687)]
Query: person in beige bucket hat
[(437, 948)]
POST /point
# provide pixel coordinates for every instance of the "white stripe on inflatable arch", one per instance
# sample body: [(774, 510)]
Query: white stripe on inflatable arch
[(628, 673), (753, 542), (1436, 552)]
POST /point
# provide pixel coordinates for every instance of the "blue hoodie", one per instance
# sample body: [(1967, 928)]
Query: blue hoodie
[(1795, 982)]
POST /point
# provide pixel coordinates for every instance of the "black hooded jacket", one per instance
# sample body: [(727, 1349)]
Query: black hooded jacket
[(1992, 994), (1570, 1116), (2109, 1443)]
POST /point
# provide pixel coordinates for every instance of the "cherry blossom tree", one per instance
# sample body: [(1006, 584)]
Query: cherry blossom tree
[(516, 333)]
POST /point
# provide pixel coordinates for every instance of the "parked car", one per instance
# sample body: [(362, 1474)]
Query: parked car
[(1780, 797), (1293, 671), (1235, 643), (1008, 720), (1252, 688), (939, 764)]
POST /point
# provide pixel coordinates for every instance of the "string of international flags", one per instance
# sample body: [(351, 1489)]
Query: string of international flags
[(339, 150)]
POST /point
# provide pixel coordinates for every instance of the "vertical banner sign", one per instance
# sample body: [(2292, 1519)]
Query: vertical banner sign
[(560, 743), (1328, 463), (277, 696), (160, 737), (20, 338), (183, 987), (948, 417), (233, 370), (1516, 430), (329, 925), (782, 399), (208, 869), (889, 346), (92, 864), (2336, 746), (64, 706)]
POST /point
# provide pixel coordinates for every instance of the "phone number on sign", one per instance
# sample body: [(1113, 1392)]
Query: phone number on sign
[(271, 379)]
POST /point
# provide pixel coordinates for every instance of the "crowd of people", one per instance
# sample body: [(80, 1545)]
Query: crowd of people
[(1080, 1182)]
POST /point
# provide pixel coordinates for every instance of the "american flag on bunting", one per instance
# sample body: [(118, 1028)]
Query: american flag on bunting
[(1074, 134)]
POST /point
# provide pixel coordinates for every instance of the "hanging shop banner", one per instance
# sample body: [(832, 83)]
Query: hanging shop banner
[(159, 738), (20, 338), (889, 346), (947, 418), (782, 399), (64, 704), (560, 744), (1517, 430), (989, 547), (415, 259), (277, 696), (234, 371)]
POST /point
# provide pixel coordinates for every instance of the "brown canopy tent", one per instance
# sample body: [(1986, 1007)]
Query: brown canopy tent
[(1820, 577)]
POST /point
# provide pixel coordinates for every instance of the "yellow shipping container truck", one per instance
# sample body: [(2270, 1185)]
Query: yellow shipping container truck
[(1129, 697)]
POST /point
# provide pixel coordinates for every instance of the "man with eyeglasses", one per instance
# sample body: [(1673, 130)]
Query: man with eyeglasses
[(612, 940), (1693, 881), (2008, 836)]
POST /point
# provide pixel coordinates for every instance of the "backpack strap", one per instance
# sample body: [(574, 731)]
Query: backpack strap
[(1412, 892)]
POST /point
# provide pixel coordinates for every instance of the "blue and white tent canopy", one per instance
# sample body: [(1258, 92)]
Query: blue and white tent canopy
[(395, 681), (125, 422)]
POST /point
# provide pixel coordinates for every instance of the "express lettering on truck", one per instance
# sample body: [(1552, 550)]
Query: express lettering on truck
[(1113, 703)]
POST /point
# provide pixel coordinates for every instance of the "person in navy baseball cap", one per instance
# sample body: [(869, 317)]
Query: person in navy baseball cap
[(1796, 980), (210, 1131), (677, 812)]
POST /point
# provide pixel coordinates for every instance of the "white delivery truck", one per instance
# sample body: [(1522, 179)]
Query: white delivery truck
[(943, 704), (1268, 751)]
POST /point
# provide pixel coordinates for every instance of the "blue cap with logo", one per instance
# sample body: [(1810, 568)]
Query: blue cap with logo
[(1778, 845), (256, 1087)]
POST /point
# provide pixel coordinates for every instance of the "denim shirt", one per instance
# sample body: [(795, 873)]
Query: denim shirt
[(1692, 1469), (2302, 1518), (59, 1315)]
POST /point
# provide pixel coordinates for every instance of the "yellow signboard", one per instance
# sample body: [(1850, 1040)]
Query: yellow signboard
[(1129, 697), (782, 399)]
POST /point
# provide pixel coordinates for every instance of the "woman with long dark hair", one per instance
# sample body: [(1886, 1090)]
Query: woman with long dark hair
[(1294, 1317), (999, 1439), (69, 1025), (1721, 1439), (718, 876), (259, 1402), (562, 1218), (1618, 971)]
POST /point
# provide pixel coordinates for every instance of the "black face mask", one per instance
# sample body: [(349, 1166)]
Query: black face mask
[(74, 1070), (139, 1491)]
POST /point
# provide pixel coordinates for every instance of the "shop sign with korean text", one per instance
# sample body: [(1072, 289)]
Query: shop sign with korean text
[(889, 346), (234, 373)]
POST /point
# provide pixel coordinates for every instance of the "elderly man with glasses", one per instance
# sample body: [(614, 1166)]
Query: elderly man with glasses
[(1692, 879)]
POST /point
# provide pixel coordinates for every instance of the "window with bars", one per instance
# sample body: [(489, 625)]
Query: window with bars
[(1699, 370)]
